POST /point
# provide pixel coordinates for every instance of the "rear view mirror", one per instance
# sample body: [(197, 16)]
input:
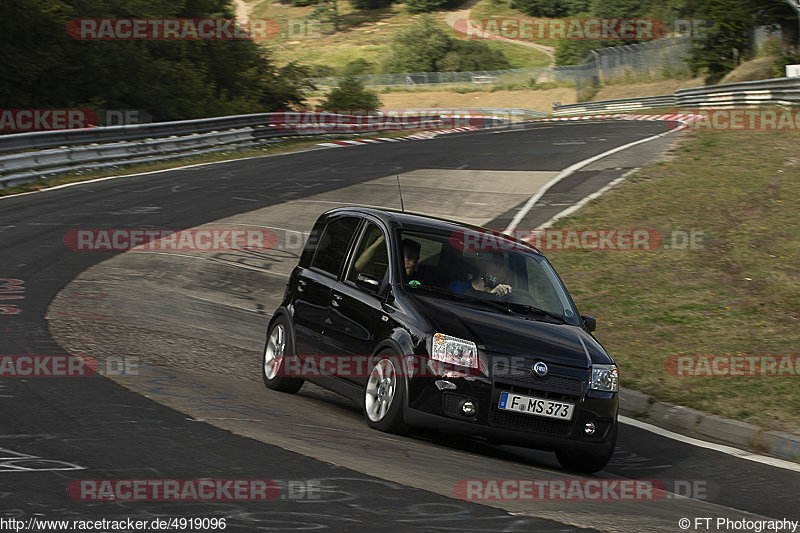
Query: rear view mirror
[(590, 322)]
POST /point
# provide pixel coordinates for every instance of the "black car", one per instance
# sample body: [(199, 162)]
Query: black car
[(432, 323)]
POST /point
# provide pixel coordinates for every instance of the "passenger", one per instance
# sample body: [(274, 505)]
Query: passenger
[(488, 275)]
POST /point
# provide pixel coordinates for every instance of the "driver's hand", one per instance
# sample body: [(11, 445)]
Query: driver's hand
[(501, 290)]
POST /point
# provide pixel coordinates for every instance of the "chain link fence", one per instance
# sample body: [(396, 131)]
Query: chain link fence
[(650, 60)]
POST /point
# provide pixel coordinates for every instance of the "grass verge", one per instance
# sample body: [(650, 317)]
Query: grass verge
[(737, 294)]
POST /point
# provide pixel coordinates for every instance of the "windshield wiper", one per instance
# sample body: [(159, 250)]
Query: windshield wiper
[(536, 311), (502, 306)]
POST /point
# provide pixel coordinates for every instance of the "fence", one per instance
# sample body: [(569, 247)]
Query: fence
[(413, 79), (645, 60)]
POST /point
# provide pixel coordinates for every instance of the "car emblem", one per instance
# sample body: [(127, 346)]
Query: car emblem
[(539, 369)]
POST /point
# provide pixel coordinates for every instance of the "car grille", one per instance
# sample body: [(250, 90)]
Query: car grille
[(552, 382), (529, 423)]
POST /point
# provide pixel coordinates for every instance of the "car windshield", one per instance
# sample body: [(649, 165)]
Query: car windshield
[(485, 266)]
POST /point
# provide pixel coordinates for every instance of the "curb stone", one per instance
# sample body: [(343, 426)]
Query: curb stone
[(684, 420), (714, 428)]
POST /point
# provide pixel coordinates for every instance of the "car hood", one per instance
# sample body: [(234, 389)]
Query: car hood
[(497, 333)]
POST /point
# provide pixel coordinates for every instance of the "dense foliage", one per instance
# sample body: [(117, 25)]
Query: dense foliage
[(728, 25), (350, 94), (426, 47), (43, 67)]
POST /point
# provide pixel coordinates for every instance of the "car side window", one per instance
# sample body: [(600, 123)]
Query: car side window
[(333, 245), (372, 256)]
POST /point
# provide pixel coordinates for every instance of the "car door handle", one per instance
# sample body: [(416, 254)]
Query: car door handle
[(336, 300), (301, 285)]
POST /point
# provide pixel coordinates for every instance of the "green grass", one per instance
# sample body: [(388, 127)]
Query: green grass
[(521, 56), (364, 34), (501, 9), (738, 294)]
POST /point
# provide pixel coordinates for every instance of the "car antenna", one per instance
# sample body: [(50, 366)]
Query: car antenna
[(402, 207)]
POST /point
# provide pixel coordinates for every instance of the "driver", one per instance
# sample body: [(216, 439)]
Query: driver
[(489, 273)]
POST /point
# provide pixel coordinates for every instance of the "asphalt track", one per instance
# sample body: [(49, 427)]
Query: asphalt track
[(211, 419)]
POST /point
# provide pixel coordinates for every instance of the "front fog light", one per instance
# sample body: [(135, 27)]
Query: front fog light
[(604, 377), (589, 428), (468, 408)]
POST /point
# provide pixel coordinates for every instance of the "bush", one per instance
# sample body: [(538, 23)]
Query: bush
[(551, 8), (778, 67), (426, 47), (351, 94), (425, 6), (370, 4), (358, 66)]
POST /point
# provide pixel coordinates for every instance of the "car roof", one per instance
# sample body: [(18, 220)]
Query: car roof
[(406, 220)]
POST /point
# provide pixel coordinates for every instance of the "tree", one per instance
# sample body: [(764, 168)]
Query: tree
[(418, 47), (351, 94), (327, 11), (425, 6), (370, 4), (43, 66), (731, 34), (426, 47)]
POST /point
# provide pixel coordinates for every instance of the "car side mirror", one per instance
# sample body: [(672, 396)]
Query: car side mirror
[(590, 322), (367, 282)]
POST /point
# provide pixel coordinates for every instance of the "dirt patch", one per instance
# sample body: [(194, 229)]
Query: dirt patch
[(756, 69)]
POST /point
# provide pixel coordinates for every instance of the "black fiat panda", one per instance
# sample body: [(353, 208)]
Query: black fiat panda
[(432, 323)]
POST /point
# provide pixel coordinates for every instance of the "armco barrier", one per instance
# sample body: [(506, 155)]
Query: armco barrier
[(27, 157), (777, 91), (623, 104)]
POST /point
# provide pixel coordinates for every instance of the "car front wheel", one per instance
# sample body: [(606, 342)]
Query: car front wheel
[(384, 395), (277, 348)]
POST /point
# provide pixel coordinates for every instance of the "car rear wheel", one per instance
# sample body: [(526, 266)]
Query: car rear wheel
[(384, 395), (583, 462), (276, 349)]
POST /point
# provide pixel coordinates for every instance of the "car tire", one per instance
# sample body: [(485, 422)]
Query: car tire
[(277, 347), (384, 395), (585, 463)]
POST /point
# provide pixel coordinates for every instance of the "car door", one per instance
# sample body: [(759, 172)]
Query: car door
[(356, 317), (315, 283)]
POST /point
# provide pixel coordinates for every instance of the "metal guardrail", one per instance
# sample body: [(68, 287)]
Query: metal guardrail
[(622, 104), (777, 91), (781, 91), (50, 139), (27, 157)]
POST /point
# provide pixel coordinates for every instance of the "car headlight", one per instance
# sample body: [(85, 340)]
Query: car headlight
[(454, 351), (605, 377)]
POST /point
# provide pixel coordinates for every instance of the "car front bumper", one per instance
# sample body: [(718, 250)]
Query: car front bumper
[(431, 406)]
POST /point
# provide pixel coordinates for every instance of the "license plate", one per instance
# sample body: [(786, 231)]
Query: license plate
[(530, 405)]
